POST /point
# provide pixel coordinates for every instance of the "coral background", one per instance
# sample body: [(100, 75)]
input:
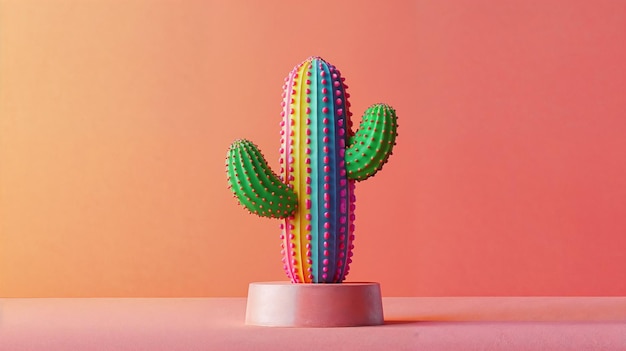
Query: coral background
[(509, 176)]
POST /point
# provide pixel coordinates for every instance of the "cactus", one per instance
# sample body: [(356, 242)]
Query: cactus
[(321, 159)]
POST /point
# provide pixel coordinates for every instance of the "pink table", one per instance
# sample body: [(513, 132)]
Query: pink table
[(420, 323)]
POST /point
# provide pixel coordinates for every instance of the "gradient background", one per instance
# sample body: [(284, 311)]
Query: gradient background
[(509, 176)]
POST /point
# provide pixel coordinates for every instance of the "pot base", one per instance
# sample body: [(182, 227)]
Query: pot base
[(283, 304)]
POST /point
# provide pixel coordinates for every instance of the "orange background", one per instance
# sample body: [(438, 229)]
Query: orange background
[(509, 176)]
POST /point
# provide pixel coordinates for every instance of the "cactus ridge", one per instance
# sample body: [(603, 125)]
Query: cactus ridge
[(255, 185)]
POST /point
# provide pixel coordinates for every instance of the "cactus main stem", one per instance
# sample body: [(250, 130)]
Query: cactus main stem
[(317, 239)]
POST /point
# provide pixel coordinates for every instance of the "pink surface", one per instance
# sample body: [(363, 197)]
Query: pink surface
[(510, 323)]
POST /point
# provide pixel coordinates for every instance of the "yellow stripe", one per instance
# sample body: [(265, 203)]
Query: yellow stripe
[(299, 173)]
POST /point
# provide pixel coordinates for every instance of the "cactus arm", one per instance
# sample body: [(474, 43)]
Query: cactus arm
[(373, 142), (255, 185)]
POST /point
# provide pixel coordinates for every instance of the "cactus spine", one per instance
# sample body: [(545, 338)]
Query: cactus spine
[(321, 159)]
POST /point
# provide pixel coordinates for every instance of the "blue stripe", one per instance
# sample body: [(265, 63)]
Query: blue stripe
[(315, 189), (332, 182), (340, 188)]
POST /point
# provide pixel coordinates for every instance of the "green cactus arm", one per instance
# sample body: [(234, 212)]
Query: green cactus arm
[(371, 146), (255, 185)]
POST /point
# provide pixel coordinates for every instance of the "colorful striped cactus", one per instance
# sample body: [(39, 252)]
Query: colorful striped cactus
[(321, 159)]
